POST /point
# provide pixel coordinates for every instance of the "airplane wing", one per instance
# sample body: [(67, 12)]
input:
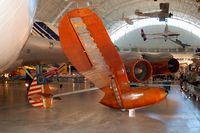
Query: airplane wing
[(160, 14), (179, 42), (39, 50), (187, 45), (151, 36), (155, 34), (173, 34), (155, 37)]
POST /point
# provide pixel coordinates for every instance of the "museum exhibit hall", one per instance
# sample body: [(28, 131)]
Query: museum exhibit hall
[(100, 66)]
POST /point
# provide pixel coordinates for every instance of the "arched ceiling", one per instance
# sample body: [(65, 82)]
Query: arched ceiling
[(182, 9), (111, 11)]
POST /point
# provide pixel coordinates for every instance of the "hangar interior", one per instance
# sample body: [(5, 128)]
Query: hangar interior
[(76, 106), (185, 19)]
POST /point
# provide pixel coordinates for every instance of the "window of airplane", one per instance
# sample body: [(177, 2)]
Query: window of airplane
[(177, 22)]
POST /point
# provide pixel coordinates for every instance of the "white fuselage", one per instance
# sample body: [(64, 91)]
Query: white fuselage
[(16, 19)]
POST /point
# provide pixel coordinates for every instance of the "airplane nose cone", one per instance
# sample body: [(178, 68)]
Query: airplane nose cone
[(135, 97), (166, 91), (165, 94), (158, 94), (141, 97)]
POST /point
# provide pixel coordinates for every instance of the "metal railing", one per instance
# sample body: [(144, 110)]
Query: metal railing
[(191, 89)]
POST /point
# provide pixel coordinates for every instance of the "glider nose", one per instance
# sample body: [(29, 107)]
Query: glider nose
[(134, 97), (167, 91), (163, 93)]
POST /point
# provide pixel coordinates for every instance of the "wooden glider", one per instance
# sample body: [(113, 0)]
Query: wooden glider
[(89, 48)]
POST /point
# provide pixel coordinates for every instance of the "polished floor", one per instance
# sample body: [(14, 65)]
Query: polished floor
[(81, 113)]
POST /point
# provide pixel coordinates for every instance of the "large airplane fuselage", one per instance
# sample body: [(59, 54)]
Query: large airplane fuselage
[(16, 21)]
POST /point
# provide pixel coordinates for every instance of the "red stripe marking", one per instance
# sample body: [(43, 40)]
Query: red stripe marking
[(34, 84), (40, 106), (39, 93), (37, 102), (51, 72), (35, 89)]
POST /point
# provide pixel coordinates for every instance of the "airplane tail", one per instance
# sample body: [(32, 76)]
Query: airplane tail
[(143, 35), (43, 30), (61, 70), (40, 95), (170, 15)]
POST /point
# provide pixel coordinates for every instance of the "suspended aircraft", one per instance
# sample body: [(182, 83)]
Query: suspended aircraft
[(92, 54), (84, 3), (165, 35), (162, 14), (180, 43), (129, 20)]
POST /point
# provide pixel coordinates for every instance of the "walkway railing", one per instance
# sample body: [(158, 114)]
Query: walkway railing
[(191, 89)]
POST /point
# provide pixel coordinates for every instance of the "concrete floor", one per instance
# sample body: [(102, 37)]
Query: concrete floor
[(81, 113)]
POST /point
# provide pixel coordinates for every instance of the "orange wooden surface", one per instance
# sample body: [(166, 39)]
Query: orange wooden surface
[(103, 41), (75, 53), (73, 50), (134, 97)]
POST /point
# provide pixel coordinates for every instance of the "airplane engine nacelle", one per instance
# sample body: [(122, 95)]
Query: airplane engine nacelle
[(162, 63), (138, 70), (167, 66)]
